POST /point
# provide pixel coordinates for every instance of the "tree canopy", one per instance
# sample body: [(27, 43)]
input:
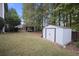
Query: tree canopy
[(34, 14), (12, 17), (55, 13)]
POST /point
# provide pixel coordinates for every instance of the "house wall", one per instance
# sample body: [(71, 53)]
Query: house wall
[(2, 10)]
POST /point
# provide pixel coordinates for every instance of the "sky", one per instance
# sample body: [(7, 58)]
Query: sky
[(17, 6)]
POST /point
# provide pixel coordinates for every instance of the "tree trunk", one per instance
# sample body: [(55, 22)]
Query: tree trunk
[(59, 18), (63, 20), (54, 19), (70, 19), (66, 21)]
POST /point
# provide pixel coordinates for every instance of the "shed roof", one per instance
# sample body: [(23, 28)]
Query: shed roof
[(53, 26)]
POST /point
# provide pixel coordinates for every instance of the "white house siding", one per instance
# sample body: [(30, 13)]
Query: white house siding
[(2, 10), (2, 13)]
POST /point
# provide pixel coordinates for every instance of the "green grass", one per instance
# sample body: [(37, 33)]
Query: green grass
[(29, 44)]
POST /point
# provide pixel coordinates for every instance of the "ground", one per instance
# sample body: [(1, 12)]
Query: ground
[(29, 44)]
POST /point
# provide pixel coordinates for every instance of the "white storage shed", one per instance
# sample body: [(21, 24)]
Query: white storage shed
[(59, 35)]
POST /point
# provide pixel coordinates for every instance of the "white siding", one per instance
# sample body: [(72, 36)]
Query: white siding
[(59, 36), (50, 34), (2, 10), (67, 36), (62, 35)]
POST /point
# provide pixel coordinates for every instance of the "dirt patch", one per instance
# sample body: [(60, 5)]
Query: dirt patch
[(73, 47)]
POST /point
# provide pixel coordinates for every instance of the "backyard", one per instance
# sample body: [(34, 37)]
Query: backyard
[(29, 44)]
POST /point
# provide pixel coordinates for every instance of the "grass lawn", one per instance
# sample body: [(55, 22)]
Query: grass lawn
[(27, 44)]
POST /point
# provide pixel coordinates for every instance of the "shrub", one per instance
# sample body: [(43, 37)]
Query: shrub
[(1, 23)]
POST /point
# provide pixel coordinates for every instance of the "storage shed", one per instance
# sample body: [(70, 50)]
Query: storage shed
[(59, 35)]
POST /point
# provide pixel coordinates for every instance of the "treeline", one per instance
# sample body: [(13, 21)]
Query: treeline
[(68, 14), (61, 14)]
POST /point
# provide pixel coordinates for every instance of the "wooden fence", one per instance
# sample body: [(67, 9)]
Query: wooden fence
[(75, 36)]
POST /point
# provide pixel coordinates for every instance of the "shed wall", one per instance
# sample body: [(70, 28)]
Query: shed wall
[(62, 36), (59, 36), (67, 36)]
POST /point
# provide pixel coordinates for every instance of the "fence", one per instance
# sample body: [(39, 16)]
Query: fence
[(75, 36)]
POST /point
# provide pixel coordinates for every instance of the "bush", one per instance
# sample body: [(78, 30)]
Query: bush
[(2, 22), (77, 44), (12, 29)]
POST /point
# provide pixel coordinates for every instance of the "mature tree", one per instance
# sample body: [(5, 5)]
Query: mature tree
[(63, 14), (12, 19), (35, 14), (69, 13), (5, 10)]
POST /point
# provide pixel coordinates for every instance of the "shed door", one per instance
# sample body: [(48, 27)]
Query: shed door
[(50, 34)]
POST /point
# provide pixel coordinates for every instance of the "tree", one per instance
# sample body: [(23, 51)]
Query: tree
[(35, 13), (67, 13), (12, 19), (5, 10)]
